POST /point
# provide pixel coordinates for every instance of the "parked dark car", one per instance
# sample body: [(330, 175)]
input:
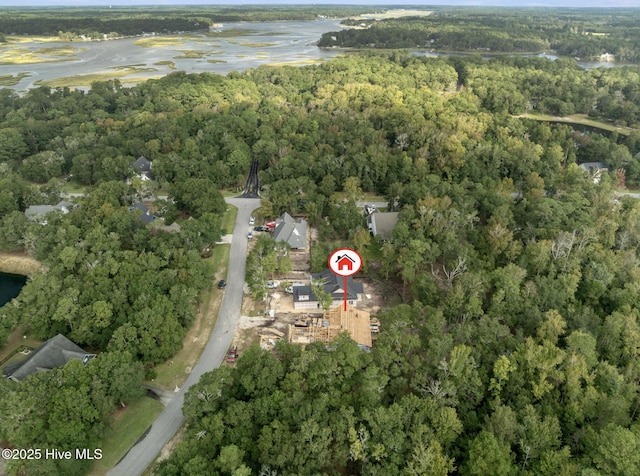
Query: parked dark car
[(221, 284)]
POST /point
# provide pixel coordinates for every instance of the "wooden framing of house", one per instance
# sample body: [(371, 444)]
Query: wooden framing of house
[(356, 322)]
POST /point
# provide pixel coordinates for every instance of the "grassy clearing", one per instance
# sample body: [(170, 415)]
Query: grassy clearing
[(12, 80), (229, 219), (75, 187), (129, 424), (17, 340), (581, 119)]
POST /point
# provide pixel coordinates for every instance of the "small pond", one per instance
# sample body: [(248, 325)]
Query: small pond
[(10, 286)]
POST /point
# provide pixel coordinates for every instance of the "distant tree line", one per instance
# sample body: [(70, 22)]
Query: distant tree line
[(573, 33), (131, 21)]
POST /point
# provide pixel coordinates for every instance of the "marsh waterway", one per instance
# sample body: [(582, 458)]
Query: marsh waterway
[(233, 47)]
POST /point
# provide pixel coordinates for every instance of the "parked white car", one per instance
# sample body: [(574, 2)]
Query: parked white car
[(273, 284), (252, 221), (289, 289)]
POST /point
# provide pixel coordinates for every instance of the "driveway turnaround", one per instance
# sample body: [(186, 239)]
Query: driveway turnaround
[(171, 419)]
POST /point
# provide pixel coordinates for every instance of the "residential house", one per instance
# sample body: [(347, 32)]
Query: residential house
[(143, 212), (595, 169), (142, 167), (304, 298), (356, 322), (38, 213), (52, 354), (292, 231), (381, 224)]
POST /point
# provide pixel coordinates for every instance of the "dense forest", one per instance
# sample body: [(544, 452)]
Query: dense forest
[(586, 34), (511, 346)]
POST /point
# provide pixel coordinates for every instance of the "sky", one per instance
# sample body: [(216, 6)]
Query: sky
[(504, 3)]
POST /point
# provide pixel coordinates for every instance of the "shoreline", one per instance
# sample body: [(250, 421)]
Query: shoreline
[(19, 263)]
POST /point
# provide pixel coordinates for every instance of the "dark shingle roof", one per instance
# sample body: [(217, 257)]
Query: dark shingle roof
[(54, 353), (292, 231), (145, 215)]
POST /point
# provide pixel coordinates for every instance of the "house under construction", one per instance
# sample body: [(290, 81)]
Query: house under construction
[(356, 322)]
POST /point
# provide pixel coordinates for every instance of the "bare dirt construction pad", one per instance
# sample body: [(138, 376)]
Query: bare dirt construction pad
[(17, 263)]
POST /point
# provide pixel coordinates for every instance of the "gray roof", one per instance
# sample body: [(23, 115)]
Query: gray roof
[(292, 231), (333, 284), (142, 164), (145, 214), (54, 353), (382, 224), (593, 166), (38, 212), (143, 167)]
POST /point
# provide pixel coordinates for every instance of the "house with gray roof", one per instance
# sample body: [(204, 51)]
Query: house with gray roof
[(381, 224), (143, 212), (292, 231), (142, 167), (595, 169), (54, 353), (38, 213), (304, 298)]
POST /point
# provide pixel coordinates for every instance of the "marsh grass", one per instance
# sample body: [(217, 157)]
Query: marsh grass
[(251, 44), (11, 80), (83, 80), (231, 32), (170, 64), (20, 55), (214, 61), (192, 54), (296, 63), (156, 41)]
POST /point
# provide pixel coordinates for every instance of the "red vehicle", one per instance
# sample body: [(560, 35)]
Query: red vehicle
[(233, 354)]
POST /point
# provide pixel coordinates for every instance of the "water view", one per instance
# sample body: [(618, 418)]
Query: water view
[(10, 286), (229, 47)]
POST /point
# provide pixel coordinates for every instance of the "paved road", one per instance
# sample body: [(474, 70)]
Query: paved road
[(170, 420)]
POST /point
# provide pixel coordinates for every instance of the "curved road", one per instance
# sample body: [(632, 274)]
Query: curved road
[(171, 419)]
